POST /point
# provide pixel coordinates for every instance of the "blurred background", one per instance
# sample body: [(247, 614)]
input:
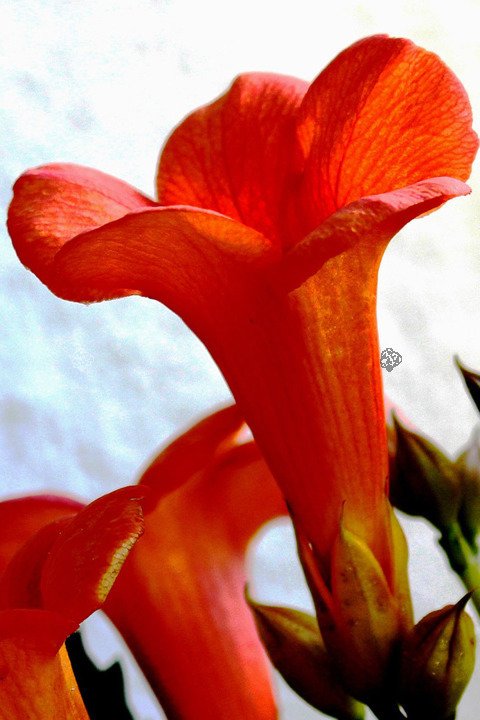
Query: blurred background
[(88, 394)]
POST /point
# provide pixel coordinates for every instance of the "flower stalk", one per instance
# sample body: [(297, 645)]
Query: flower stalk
[(463, 561)]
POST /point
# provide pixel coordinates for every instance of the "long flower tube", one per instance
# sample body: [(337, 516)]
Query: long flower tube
[(51, 580), (180, 603), (275, 205)]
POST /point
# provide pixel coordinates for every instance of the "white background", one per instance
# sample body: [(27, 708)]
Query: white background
[(87, 394)]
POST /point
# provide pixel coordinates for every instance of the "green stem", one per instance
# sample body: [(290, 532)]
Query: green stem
[(462, 560)]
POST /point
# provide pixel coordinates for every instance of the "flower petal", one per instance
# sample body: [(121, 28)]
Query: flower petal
[(20, 583), (41, 630), (384, 114), (36, 678), (233, 155), (187, 621), (53, 203), (22, 517), (376, 218), (188, 259), (86, 557), (182, 458)]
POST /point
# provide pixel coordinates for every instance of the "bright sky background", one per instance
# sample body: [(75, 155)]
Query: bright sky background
[(87, 394)]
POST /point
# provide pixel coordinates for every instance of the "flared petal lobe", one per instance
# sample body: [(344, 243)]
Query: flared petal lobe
[(375, 219), (51, 583), (57, 207), (21, 518), (384, 114), (53, 203), (84, 562), (280, 158), (200, 256), (233, 156), (187, 621)]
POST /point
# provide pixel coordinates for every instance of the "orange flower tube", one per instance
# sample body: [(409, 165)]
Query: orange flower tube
[(275, 205), (180, 602)]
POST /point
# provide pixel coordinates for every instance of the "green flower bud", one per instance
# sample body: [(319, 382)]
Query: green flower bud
[(423, 480), (295, 647), (437, 662)]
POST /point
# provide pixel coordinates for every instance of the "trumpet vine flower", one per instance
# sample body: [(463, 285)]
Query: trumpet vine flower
[(180, 602), (58, 564), (275, 204)]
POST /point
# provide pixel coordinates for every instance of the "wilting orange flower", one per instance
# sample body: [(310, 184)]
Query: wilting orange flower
[(275, 205), (58, 563), (180, 602)]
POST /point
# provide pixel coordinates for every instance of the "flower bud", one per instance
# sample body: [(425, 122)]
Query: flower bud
[(295, 647), (467, 467), (423, 480), (437, 662)]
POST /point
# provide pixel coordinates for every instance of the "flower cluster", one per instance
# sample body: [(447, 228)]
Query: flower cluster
[(275, 205)]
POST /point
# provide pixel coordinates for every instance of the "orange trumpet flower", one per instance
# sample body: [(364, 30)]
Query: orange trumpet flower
[(180, 602), (54, 576), (275, 205)]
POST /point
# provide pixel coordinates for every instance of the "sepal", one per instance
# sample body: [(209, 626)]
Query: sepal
[(367, 622), (296, 649), (361, 617), (423, 481), (437, 662), (401, 585)]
